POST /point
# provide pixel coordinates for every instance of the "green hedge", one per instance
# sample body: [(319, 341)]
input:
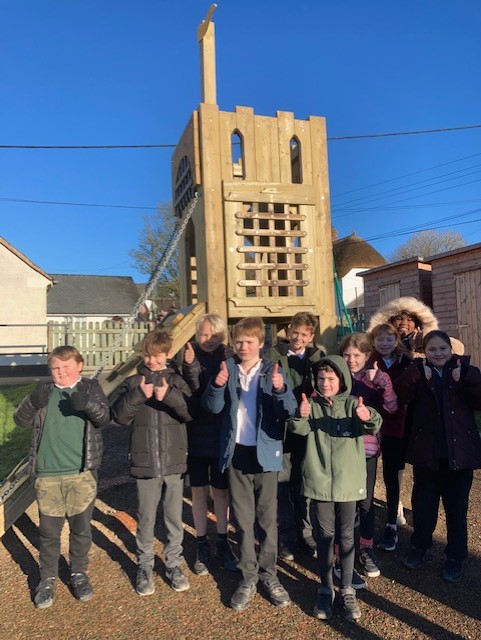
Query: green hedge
[(14, 442)]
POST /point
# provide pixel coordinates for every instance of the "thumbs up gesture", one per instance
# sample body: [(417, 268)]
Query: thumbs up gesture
[(362, 411), (147, 388), (160, 392), (371, 373), (457, 372), (189, 353), (428, 372), (277, 379), (304, 407), (223, 375)]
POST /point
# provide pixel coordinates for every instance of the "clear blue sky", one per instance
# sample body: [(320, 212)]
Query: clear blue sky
[(127, 72)]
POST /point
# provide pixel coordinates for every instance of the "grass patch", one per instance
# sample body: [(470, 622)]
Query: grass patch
[(14, 442)]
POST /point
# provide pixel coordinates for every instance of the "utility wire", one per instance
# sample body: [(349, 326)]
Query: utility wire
[(166, 146), (78, 204)]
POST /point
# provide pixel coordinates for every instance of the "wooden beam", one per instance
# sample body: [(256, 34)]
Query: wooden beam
[(206, 39)]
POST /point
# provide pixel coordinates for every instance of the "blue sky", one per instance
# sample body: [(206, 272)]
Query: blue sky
[(121, 72)]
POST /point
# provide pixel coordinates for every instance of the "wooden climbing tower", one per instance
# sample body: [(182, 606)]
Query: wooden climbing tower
[(259, 241)]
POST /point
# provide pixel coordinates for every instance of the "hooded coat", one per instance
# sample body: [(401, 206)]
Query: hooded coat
[(334, 467)]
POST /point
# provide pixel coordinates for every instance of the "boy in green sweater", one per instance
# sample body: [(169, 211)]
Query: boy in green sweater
[(334, 473)]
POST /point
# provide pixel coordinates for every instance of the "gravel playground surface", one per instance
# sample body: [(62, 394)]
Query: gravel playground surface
[(399, 605)]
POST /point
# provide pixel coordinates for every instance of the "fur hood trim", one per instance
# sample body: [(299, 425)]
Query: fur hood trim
[(411, 305)]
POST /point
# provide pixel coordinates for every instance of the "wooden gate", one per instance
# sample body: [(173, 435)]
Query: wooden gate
[(468, 309)]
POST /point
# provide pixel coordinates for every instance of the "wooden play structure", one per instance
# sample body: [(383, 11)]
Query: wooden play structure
[(259, 241), (252, 197)]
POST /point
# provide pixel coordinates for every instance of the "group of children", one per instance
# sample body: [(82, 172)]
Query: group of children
[(280, 436)]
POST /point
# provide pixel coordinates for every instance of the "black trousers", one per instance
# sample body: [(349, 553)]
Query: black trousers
[(254, 502), (393, 460), (293, 508), (453, 488), (366, 506), (332, 517)]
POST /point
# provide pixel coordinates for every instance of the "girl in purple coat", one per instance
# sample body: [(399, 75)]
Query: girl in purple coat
[(444, 447)]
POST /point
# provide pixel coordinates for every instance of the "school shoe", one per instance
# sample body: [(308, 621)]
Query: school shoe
[(358, 581), (144, 583), (227, 557), (323, 606), (414, 558), (81, 587), (45, 593), (400, 518), (202, 559), (285, 552), (177, 578), (452, 570), (242, 596), (389, 540), (350, 607), (276, 592), (369, 562)]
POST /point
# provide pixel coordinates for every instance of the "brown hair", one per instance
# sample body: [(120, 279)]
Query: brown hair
[(390, 330), (437, 333), (249, 327), (158, 341), (65, 352), (304, 318), (357, 341)]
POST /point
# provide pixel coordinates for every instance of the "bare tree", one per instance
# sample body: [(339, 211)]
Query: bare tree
[(428, 243), (153, 242)]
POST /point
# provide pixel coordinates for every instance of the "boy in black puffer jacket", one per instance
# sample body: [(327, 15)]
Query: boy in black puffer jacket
[(154, 403)]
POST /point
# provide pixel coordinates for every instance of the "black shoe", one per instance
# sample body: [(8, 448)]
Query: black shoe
[(144, 584), (227, 557), (276, 592), (177, 578), (285, 552), (202, 559), (350, 607), (308, 546), (369, 563), (44, 593), (81, 587), (323, 606), (414, 558), (242, 596), (452, 570), (358, 581), (389, 540)]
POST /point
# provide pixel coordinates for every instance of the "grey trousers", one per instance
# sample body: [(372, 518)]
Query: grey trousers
[(150, 491)]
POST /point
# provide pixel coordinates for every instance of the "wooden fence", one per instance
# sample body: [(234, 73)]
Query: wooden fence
[(95, 340)]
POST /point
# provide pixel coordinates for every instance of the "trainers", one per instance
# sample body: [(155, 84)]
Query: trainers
[(400, 518), (358, 581), (144, 584), (369, 562), (414, 558), (350, 608), (308, 546), (242, 596), (81, 587), (202, 559), (276, 592), (452, 570), (44, 593), (285, 552), (323, 606), (389, 540), (177, 578), (227, 557)]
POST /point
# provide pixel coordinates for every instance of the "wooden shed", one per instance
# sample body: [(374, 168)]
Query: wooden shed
[(410, 277), (456, 290), (259, 240)]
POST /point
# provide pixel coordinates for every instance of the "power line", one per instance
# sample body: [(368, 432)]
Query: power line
[(77, 204), (166, 146)]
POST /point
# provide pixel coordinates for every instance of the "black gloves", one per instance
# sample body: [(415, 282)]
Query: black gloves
[(79, 399), (39, 397)]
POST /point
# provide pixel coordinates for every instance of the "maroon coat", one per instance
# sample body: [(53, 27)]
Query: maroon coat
[(393, 424), (459, 400)]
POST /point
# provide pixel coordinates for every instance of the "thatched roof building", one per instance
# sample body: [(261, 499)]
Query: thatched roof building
[(352, 252)]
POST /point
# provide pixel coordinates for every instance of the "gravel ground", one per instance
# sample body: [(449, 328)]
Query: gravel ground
[(399, 605)]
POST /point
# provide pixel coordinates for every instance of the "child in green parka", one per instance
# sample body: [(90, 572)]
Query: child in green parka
[(334, 473)]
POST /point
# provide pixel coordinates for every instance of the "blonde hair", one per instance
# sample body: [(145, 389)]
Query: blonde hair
[(217, 323), (249, 327)]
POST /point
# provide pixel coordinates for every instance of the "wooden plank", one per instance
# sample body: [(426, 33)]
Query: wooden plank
[(228, 124), (300, 250), (285, 128), (271, 193), (302, 131), (264, 149), (269, 216)]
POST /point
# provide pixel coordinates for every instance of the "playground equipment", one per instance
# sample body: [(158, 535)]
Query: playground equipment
[(251, 195)]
